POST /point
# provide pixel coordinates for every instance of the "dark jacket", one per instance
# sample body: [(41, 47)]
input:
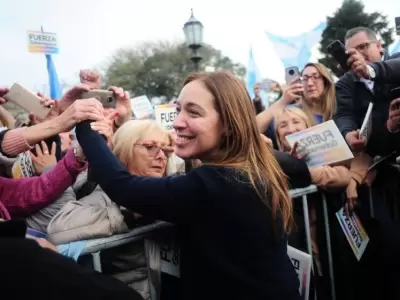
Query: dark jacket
[(353, 98), (238, 247)]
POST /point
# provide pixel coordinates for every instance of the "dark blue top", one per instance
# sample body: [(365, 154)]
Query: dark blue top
[(231, 248)]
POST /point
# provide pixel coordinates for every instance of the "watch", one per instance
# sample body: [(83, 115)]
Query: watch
[(371, 72)]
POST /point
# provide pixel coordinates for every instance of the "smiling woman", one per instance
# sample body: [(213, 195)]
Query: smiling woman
[(232, 212)]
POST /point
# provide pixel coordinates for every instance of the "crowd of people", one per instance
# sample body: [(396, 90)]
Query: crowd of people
[(100, 173)]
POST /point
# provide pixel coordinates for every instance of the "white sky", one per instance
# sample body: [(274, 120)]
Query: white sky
[(89, 31)]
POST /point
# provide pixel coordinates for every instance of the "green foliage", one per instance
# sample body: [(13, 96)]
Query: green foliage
[(159, 68), (351, 14)]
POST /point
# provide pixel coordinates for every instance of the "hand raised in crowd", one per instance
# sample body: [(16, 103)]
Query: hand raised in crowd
[(90, 78), (46, 102), (44, 158), (71, 96), (80, 110), (292, 93), (3, 91), (105, 126), (123, 105), (357, 63), (355, 142), (393, 122)]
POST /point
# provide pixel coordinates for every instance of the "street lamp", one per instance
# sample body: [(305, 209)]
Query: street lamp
[(193, 30)]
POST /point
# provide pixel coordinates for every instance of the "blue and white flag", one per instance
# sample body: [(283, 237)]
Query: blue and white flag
[(55, 88), (296, 50)]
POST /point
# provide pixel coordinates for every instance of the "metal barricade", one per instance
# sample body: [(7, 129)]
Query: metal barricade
[(95, 246), (296, 193)]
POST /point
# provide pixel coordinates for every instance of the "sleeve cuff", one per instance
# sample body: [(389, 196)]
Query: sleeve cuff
[(14, 142)]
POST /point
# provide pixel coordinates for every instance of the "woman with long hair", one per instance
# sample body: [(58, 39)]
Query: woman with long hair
[(232, 213)]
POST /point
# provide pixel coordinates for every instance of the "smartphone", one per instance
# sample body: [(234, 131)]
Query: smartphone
[(106, 98), (397, 22), (338, 52), (27, 100), (394, 94), (292, 74)]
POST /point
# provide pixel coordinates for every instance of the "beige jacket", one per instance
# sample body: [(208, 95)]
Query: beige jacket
[(93, 216)]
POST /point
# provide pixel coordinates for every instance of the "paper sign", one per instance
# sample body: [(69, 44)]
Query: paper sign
[(165, 115), (42, 42), (23, 166), (302, 264), (366, 127), (170, 259), (354, 232), (323, 144), (141, 107)]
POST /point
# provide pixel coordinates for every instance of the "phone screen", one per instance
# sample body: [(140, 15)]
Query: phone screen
[(397, 22)]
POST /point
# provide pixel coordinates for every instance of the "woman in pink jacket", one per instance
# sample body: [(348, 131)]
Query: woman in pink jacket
[(23, 197)]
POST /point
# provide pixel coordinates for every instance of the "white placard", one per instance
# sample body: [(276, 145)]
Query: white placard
[(42, 42), (23, 166), (302, 264), (366, 127), (165, 115), (354, 231), (141, 107), (323, 144)]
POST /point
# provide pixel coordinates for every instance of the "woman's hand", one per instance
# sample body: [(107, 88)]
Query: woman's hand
[(123, 105), (71, 96), (43, 158), (352, 196), (292, 93), (81, 110), (54, 112), (105, 126), (294, 152)]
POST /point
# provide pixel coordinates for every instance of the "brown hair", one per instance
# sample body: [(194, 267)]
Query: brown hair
[(241, 147), (328, 97)]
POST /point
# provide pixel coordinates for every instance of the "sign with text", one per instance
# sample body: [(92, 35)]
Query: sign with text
[(366, 126), (302, 264), (141, 107), (165, 115), (23, 167), (170, 256), (323, 145), (354, 232), (42, 42)]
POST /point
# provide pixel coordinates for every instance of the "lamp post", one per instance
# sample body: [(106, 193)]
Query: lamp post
[(193, 30)]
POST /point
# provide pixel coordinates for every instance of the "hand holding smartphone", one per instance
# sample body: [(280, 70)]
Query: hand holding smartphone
[(27, 100), (338, 51), (106, 98)]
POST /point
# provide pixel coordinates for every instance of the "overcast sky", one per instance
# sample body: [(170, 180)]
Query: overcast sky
[(89, 31)]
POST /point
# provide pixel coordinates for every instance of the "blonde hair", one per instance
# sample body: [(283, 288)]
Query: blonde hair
[(241, 146), (328, 97), (125, 138), (294, 110)]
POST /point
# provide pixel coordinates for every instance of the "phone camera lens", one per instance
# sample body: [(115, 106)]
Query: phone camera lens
[(291, 72), (110, 99)]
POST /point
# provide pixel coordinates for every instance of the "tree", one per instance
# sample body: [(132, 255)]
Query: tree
[(158, 68), (351, 14)]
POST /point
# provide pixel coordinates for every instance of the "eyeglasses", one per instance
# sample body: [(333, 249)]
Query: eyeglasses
[(364, 46), (154, 149), (313, 77)]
